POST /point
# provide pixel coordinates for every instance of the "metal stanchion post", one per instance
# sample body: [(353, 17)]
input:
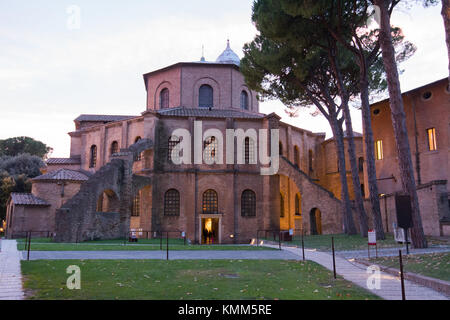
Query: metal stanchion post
[(167, 245), (334, 261), (402, 279), (29, 244), (303, 247)]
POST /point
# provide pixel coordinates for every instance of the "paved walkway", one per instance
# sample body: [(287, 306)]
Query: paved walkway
[(390, 286), (10, 273), (389, 252), (153, 254)]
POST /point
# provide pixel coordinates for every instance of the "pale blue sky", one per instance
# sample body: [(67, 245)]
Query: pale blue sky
[(49, 74)]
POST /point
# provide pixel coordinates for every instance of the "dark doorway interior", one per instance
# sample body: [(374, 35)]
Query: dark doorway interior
[(315, 221)]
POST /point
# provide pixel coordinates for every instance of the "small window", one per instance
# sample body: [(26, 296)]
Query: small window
[(136, 212), (173, 144), (248, 203), (210, 203), (205, 96), (427, 95), (281, 206), (210, 149), (296, 156), (361, 164), (114, 147), (93, 157), (172, 203), (164, 98), (280, 148), (297, 205), (379, 150), (431, 134), (310, 161), (376, 111), (249, 151), (244, 100)]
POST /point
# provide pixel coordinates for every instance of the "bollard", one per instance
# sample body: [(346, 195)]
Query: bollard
[(303, 247), (29, 244), (167, 246), (334, 261), (402, 279)]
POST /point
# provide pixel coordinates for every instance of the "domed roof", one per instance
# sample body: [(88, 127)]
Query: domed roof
[(229, 56)]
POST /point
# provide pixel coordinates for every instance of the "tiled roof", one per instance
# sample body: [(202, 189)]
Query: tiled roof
[(205, 112), (102, 118), (63, 174), (64, 161), (27, 199)]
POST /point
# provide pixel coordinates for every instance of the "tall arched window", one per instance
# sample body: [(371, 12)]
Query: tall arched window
[(249, 151), (210, 149), (281, 205), (297, 205), (93, 157), (296, 156), (244, 100), (173, 144), (210, 203), (310, 160), (172, 203), (114, 147), (248, 203), (164, 98), (205, 96), (139, 156), (361, 164), (280, 148), (136, 212)]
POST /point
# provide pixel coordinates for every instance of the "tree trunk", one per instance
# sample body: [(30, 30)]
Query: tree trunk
[(349, 224), (399, 123), (446, 16), (370, 155), (363, 228)]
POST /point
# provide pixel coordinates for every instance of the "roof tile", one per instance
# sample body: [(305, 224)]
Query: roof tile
[(27, 199)]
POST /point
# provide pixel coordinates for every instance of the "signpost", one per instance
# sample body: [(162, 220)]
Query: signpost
[(372, 241)]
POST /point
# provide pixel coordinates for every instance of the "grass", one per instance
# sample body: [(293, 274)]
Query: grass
[(343, 242), (435, 265), (188, 279), (46, 244)]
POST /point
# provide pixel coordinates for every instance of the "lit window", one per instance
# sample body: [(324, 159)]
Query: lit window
[(248, 203), (136, 205), (210, 203), (379, 150), (431, 134), (297, 205)]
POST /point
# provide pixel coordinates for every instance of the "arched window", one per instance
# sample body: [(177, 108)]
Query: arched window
[(93, 157), (172, 203), (296, 156), (139, 156), (297, 205), (361, 164), (244, 100), (164, 98), (173, 144), (136, 212), (210, 203), (280, 148), (114, 147), (281, 205), (310, 160), (205, 96), (249, 151), (210, 148), (248, 203)]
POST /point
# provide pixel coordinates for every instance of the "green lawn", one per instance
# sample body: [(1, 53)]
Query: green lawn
[(435, 265), (187, 279), (45, 244), (343, 242)]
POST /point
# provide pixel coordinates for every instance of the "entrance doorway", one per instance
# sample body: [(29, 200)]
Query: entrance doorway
[(210, 230), (315, 217)]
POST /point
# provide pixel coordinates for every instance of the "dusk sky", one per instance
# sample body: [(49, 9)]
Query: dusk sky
[(52, 70)]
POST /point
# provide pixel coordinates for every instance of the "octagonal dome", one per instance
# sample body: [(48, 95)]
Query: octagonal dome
[(229, 56)]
